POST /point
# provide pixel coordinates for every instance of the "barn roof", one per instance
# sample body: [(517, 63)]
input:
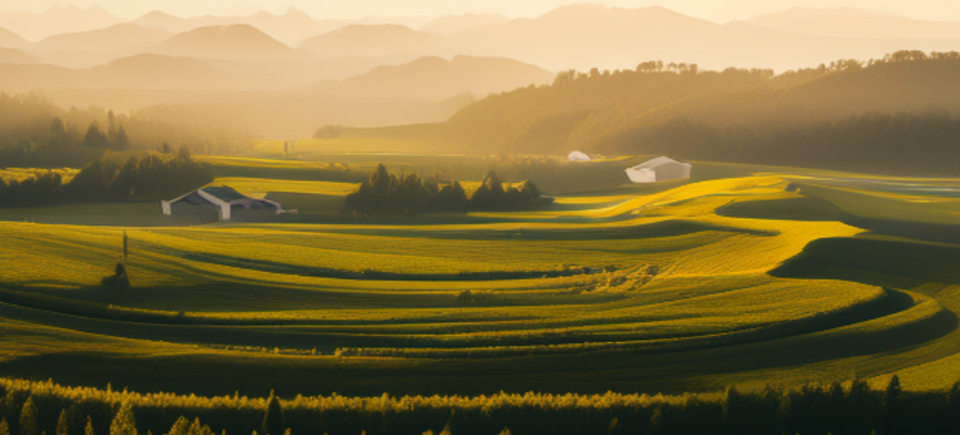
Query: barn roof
[(224, 193), (659, 161)]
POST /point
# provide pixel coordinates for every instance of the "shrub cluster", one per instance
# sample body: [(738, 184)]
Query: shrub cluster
[(35, 408), (386, 195)]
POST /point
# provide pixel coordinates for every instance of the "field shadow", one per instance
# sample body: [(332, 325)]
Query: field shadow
[(874, 262), (804, 208)]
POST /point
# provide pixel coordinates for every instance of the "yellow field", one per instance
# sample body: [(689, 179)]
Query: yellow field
[(686, 287)]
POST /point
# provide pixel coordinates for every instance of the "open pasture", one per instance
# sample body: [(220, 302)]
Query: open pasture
[(668, 287)]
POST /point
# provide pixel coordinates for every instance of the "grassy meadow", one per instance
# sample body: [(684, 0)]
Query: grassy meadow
[(743, 276)]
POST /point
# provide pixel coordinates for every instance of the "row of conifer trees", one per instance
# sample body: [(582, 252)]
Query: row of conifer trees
[(387, 195), (43, 408), (150, 176)]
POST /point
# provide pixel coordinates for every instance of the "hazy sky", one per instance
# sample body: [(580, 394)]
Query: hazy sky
[(715, 10)]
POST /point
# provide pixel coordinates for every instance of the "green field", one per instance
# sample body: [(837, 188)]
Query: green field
[(743, 275)]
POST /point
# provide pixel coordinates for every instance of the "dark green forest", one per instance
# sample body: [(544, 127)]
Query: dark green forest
[(149, 176), (851, 409), (386, 195), (896, 114)]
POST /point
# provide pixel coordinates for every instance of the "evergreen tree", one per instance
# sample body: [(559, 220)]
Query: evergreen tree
[(180, 427), (63, 423), (273, 418), (124, 423), (29, 418), (95, 138), (121, 142)]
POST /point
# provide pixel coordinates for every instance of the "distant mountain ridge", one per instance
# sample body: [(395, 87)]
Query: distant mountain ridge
[(9, 39), (435, 78), (375, 40), (233, 42), (114, 38), (854, 23), (14, 56), (58, 19)]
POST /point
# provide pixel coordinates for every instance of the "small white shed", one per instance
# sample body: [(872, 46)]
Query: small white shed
[(659, 169), (578, 156)]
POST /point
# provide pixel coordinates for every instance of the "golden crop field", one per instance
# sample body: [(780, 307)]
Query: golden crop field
[(747, 280)]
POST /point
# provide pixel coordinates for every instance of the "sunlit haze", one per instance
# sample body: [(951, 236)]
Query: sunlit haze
[(721, 11)]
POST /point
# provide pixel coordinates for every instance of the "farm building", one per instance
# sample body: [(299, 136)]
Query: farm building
[(224, 201), (578, 156), (659, 169)]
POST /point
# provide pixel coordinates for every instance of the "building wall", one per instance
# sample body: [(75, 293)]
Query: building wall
[(672, 171)]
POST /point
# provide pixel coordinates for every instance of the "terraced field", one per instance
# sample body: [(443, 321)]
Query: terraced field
[(767, 278)]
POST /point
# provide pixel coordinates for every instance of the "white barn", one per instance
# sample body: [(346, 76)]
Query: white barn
[(659, 169), (224, 199), (578, 156)]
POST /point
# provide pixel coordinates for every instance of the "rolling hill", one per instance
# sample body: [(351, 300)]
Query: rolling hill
[(114, 38), (146, 71), (9, 39), (854, 23), (435, 78), (233, 42), (10, 55)]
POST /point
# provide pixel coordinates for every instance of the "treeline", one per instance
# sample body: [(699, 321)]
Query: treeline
[(36, 408), (34, 132), (604, 111), (905, 143), (385, 195), (151, 176)]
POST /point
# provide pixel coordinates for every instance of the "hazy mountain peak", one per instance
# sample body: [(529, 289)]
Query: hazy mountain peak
[(436, 78), (228, 42), (154, 14), (294, 12)]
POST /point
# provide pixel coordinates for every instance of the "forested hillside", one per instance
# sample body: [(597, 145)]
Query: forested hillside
[(34, 132), (894, 114)]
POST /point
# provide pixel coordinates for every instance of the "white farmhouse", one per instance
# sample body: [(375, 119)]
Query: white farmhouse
[(578, 156), (659, 169), (225, 200)]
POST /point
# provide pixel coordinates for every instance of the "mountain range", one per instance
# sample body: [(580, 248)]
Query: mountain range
[(159, 58), (578, 36), (233, 42)]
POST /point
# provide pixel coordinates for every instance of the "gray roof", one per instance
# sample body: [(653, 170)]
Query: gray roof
[(224, 193), (653, 163)]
